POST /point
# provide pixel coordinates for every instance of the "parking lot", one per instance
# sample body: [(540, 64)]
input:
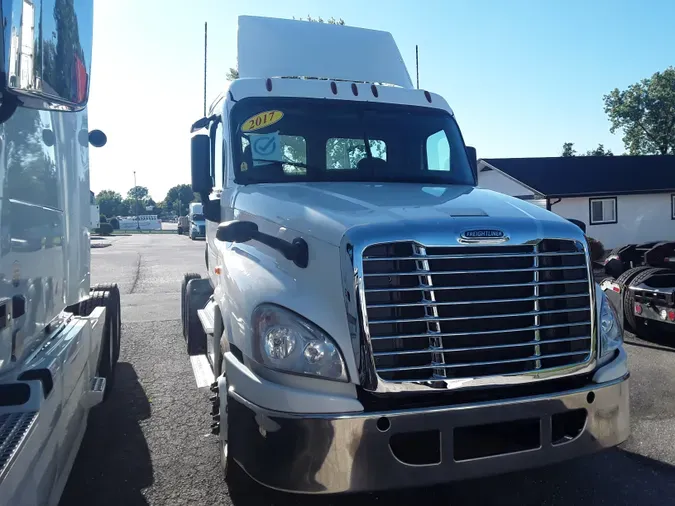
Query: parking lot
[(150, 443)]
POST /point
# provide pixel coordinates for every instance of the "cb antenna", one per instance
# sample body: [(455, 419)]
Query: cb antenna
[(205, 39), (417, 66)]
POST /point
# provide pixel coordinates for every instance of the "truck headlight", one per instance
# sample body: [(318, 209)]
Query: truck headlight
[(611, 336), (287, 342)]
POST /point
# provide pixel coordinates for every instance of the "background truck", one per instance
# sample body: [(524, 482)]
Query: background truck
[(94, 213), (183, 225), (59, 337), (373, 319), (641, 281), (197, 223)]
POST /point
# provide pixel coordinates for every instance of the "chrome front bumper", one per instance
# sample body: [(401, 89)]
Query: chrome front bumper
[(353, 453)]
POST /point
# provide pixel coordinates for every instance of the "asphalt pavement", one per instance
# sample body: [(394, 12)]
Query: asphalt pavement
[(150, 442)]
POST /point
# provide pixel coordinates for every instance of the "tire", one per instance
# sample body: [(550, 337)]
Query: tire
[(195, 336), (106, 363), (183, 291), (117, 323), (631, 321), (627, 277), (624, 281)]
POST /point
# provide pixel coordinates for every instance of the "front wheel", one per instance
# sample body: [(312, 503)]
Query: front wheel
[(183, 296), (106, 364)]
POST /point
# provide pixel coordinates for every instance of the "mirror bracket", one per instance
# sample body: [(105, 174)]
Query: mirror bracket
[(211, 208), (473, 161), (296, 251), (8, 106)]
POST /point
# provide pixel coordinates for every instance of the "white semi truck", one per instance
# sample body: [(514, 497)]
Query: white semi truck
[(372, 318), (197, 225), (59, 336)]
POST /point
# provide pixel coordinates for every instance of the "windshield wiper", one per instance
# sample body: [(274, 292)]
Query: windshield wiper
[(284, 162)]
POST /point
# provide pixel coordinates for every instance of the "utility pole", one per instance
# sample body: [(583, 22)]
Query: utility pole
[(138, 222), (417, 66), (205, 69)]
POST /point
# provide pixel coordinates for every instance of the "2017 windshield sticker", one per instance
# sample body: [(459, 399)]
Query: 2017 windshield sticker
[(261, 120)]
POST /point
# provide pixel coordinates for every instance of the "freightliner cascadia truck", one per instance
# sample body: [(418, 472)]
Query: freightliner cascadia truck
[(372, 318)]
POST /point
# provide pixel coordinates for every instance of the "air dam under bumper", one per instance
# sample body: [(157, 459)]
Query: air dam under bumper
[(378, 451)]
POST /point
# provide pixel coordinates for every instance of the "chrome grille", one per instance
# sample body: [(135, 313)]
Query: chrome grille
[(472, 311)]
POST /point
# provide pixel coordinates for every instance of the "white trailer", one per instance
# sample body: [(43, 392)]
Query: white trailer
[(94, 217), (59, 336)]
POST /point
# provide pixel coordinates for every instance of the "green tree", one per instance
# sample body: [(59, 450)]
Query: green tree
[(232, 73), (568, 149), (178, 198), (109, 202), (134, 206), (599, 151), (123, 209), (138, 192), (645, 112)]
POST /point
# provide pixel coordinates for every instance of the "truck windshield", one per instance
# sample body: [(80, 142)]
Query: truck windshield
[(197, 217), (291, 140)]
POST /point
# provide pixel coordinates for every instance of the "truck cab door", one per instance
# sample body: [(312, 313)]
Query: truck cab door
[(218, 172)]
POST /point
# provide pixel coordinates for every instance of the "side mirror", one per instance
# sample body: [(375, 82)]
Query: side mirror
[(473, 161), (236, 231), (201, 165), (46, 69), (199, 124), (578, 223)]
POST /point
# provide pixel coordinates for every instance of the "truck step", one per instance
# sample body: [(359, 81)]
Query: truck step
[(201, 367), (96, 391), (98, 384), (206, 317), (14, 429)]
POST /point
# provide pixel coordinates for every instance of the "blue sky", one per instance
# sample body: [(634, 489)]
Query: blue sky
[(522, 76)]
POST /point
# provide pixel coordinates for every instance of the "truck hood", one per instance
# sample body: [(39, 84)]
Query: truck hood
[(327, 211)]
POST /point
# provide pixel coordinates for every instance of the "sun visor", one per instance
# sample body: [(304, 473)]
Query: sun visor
[(272, 47)]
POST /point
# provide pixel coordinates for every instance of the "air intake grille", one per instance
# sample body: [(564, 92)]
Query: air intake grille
[(473, 311)]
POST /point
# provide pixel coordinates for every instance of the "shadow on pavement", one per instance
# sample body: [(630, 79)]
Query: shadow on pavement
[(113, 465), (653, 344), (615, 477)]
